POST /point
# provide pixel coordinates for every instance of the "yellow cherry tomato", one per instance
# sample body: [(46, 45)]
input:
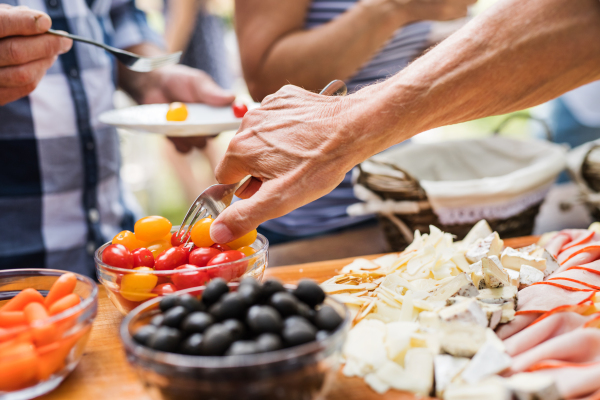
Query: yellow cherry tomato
[(245, 240), (200, 233), (177, 112), (128, 239), (247, 250), (138, 286), (158, 247), (153, 228)]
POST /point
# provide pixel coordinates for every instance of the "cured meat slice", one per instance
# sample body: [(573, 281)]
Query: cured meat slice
[(592, 247), (520, 322), (547, 328), (582, 276), (579, 259), (565, 284), (591, 266), (574, 382), (578, 236), (542, 298), (578, 346), (557, 243)]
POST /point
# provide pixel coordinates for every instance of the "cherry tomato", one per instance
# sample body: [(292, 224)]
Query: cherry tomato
[(117, 255), (159, 247), (127, 239), (239, 109), (177, 112), (229, 271), (138, 286), (200, 233), (245, 240), (171, 259), (221, 247), (200, 256), (142, 257), (188, 247), (225, 257), (164, 289), (185, 280), (247, 250), (178, 241), (153, 228)]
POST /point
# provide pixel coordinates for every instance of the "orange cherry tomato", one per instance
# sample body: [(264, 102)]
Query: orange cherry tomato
[(156, 248), (200, 233), (128, 239), (138, 286), (247, 250), (153, 228), (177, 112), (245, 240)]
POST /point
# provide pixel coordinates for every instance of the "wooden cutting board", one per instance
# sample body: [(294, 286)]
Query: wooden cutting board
[(104, 373)]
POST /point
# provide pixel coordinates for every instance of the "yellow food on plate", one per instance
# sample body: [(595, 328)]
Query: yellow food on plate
[(177, 112)]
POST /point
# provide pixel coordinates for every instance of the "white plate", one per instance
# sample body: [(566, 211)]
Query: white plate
[(202, 119)]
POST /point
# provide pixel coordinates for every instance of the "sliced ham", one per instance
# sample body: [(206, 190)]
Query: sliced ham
[(578, 236), (536, 333), (557, 243), (565, 284), (578, 346), (593, 266), (542, 298), (574, 382), (520, 322), (592, 247), (582, 276), (579, 259)]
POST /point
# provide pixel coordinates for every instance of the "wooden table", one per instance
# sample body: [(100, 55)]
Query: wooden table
[(104, 373)]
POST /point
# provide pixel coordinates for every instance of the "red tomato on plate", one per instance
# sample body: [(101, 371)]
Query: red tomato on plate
[(185, 280), (239, 109), (142, 257), (117, 255), (171, 259), (200, 256)]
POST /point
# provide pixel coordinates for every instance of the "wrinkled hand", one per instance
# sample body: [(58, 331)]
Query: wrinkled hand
[(25, 52), (297, 146)]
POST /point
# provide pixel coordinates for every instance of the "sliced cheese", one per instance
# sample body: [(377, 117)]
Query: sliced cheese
[(489, 389), (551, 263), (476, 275), (462, 340), (493, 274), (457, 286), (488, 361), (468, 312), (493, 312), (489, 246), (513, 276), (499, 295), (447, 367), (526, 386), (513, 259), (479, 231), (529, 275)]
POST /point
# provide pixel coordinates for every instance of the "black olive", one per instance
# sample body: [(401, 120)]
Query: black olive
[(216, 340), (298, 330), (309, 292), (305, 311), (268, 342), (231, 305), (327, 318), (157, 320), (214, 290), (168, 302), (322, 335), (264, 319), (270, 287), (285, 303), (165, 339), (192, 345), (191, 303), (237, 329), (175, 316), (143, 335), (242, 347), (197, 322), (249, 293), (248, 280)]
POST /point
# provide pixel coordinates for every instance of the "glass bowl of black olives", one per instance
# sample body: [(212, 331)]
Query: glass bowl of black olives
[(243, 340)]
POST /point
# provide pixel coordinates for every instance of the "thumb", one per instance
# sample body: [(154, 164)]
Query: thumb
[(210, 93)]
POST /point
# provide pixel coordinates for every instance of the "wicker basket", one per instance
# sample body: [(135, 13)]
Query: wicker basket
[(584, 168), (418, 212)]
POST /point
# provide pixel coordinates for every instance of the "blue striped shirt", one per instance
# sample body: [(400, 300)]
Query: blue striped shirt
[(60, 195), (329, 212)]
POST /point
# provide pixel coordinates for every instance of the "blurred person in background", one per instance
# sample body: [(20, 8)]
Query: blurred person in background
[(60, 192), (309, 43)]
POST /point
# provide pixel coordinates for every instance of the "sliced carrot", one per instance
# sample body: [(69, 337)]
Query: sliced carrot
[(25, 297), (20, 370), (70, 300), (62, 287), (10, 319)]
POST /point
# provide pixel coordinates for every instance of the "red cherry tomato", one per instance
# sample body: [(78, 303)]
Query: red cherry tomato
[(143, 258), (185, 280), (200, 256), (178, 241), (226, 256), (117, 255), (221, 247), (229, 271), (239, 109), (171, 259), (164, 289)]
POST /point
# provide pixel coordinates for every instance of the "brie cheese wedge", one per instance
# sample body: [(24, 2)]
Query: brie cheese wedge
[(462, 340), (469, 312), (513, 259), (529, 275), (493, 273), (489, 246), (446, 369), (533, 387), (488, 361), (499, 295), (457, 286)]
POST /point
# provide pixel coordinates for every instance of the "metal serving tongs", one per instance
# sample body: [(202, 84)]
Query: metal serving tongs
[(218, 197)]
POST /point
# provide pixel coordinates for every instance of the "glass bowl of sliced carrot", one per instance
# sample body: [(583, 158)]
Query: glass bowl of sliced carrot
[(45, 320)]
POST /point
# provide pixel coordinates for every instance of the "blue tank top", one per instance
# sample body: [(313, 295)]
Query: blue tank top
[(329, 212)]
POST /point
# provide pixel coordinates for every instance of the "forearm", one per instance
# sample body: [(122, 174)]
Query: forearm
[(312, 58), (517, 55), (180, 23)]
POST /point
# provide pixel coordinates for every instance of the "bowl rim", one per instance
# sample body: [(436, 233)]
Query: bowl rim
[(225, 362), (83, 305), (99, 264)]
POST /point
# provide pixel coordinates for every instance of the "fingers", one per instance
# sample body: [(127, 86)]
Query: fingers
[(249, 188), (25, 75), (22, 21), (230, 169), (24, 49), (186, 144), (207, 91)]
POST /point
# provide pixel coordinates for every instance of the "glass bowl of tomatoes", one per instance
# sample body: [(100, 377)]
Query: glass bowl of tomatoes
[(152, 261), (46, 317)]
